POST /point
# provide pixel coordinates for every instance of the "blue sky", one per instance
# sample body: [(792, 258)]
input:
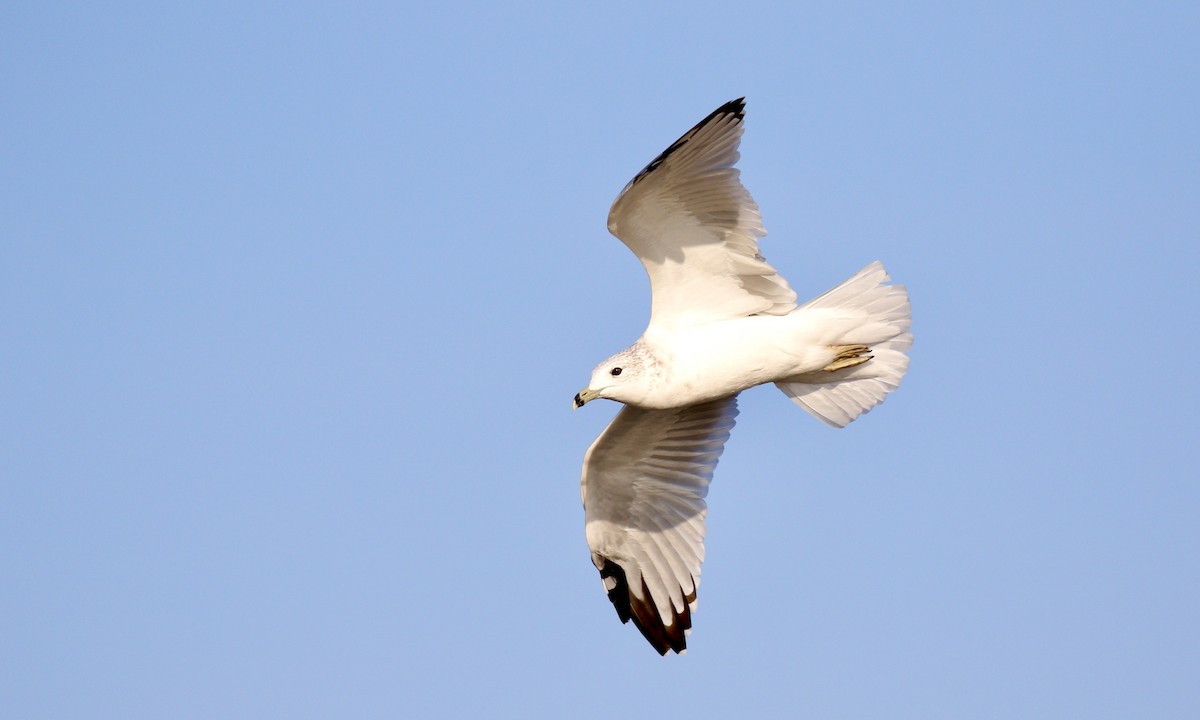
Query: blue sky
[(294, 299)]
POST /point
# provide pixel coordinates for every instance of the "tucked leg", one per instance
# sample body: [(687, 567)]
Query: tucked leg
[(848, 356)]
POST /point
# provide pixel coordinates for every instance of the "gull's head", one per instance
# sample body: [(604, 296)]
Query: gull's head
[(624, 377)]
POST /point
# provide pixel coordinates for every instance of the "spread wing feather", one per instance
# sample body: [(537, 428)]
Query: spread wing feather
[(695, 229), (643, 487)]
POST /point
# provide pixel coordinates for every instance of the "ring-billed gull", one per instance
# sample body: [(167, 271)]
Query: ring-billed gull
[(722, 320)]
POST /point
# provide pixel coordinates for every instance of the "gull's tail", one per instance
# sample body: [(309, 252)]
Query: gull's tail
[(871, 314)]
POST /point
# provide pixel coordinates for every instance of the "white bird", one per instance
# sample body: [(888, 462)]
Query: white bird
[(722, 320)]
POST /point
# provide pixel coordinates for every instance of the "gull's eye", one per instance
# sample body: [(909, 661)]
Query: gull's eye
[(616, 371)]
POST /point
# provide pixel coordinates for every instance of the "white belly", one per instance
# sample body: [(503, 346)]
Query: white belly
[(719, 359)]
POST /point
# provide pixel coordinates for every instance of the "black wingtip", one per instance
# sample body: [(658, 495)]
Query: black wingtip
[(643, 612), (735, 108)]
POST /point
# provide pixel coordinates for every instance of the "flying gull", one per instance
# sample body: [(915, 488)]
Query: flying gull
[(721, 320)]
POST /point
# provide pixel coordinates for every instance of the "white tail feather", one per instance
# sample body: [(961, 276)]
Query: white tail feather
[(838, 397)]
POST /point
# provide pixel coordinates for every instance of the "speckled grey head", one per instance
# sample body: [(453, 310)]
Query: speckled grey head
[(625, 377)]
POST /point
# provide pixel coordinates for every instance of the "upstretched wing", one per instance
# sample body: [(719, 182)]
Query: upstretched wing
[(643, 487), (695, 228)]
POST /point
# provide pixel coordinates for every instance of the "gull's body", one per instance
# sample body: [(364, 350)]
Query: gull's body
[(691, 365), (722, 320)]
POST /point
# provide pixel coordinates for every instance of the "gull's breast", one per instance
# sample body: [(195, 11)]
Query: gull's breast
[(705, 362)]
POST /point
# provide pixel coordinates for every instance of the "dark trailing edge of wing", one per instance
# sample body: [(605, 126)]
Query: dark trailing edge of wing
[(737, 108), (643, 612)]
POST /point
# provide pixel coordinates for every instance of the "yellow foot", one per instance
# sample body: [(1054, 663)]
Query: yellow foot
[(848, 356)]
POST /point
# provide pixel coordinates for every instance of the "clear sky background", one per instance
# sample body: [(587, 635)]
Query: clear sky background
[(294, 299)]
